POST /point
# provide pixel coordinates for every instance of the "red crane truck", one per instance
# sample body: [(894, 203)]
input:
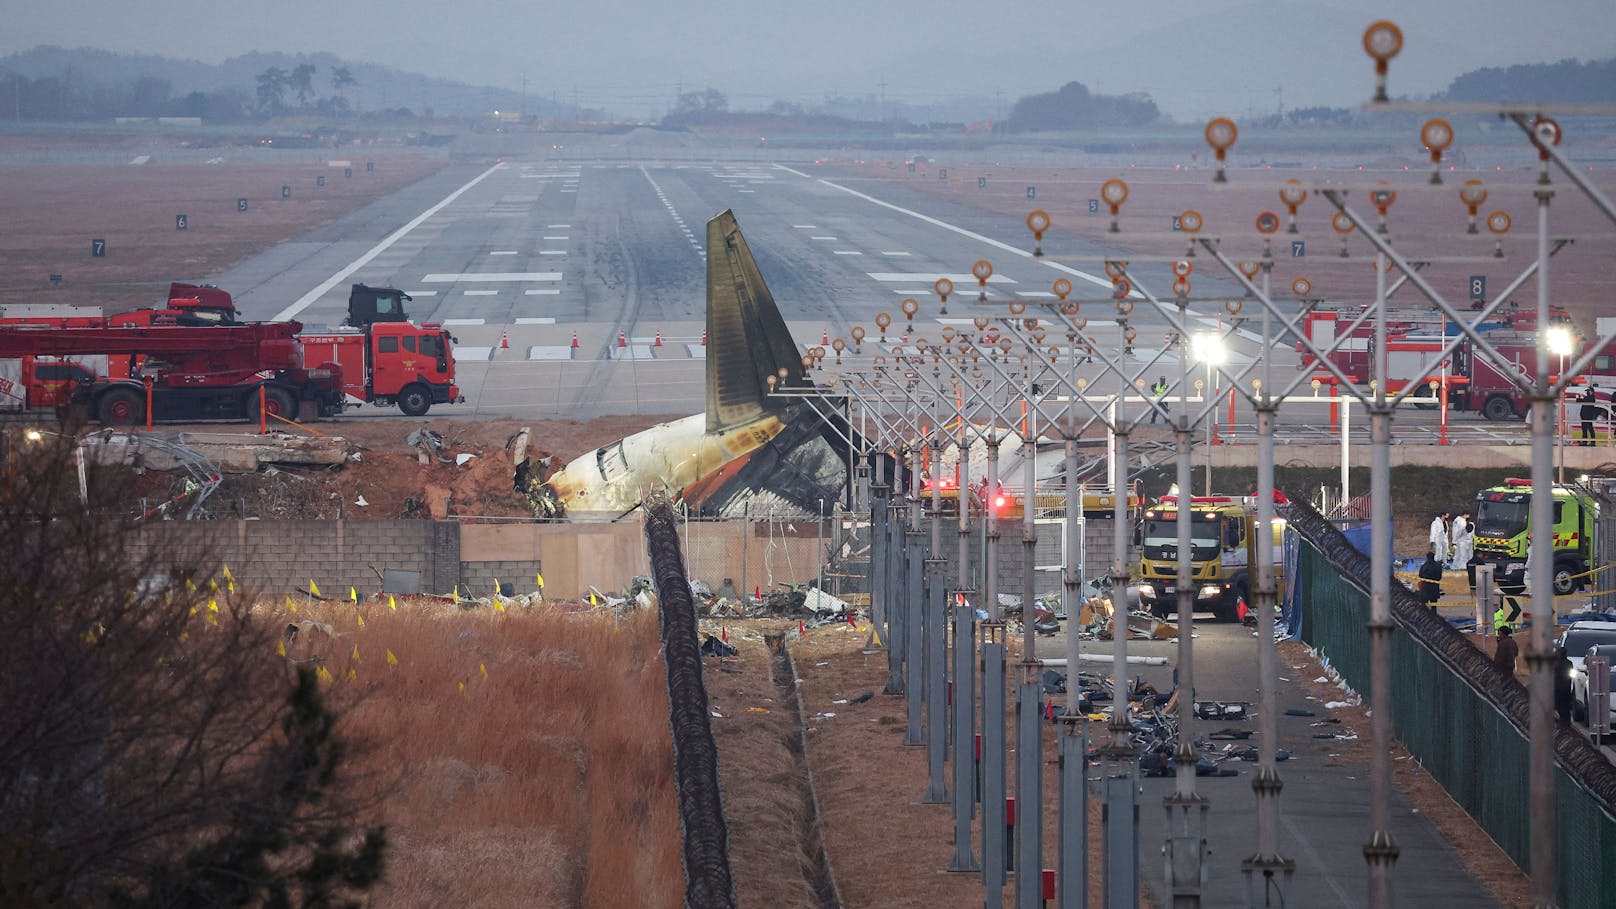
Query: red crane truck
[(385, 359), (190, 373)]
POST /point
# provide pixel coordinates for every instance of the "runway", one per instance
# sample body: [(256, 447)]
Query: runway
[(576, 285)]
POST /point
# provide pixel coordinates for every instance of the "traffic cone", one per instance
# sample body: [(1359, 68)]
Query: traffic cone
[(622, 340), (658, 341), (704, 337), (802, 630), (824, 336), (723, 634), (504, 340)]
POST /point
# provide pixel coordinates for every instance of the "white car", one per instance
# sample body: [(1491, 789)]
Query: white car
[(1577, 638)]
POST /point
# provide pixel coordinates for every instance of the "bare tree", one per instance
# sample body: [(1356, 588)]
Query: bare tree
[(155, 750)]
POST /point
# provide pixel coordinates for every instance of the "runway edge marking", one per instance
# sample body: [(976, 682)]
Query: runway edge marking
[(308, 299)]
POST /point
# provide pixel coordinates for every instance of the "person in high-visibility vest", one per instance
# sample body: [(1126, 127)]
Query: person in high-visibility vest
[(1160, 391)]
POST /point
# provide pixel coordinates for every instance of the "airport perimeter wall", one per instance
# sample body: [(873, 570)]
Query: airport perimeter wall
[(281, 557)]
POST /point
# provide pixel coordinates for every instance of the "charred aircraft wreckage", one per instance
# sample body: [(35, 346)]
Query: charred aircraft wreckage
[(747, 448)]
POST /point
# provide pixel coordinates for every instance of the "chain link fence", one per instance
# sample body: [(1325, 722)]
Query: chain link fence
[(1462, 719)]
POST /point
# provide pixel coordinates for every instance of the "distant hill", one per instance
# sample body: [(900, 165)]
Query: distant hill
[(1566, 82), (375, 87)]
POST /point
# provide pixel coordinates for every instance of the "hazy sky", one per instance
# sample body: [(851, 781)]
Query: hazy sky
[(629, 55)]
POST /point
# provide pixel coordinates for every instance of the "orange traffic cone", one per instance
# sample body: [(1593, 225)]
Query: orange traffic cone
[(504, 340), (622, 340), (704, 337), (574, 340), (723, 634), (802, 630), (824, 336), (658, 341)]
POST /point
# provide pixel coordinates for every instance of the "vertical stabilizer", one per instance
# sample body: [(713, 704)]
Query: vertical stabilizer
[(747, 340)]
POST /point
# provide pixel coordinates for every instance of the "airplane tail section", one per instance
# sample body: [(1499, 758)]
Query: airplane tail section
[(747, 339)]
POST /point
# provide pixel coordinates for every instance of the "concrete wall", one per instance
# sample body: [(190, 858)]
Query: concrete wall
[(280, 557)]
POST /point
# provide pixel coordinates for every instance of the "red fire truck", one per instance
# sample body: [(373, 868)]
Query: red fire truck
[(187, 373), (1415, 341)]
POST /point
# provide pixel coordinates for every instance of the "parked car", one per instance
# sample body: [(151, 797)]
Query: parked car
[(1577, 639)]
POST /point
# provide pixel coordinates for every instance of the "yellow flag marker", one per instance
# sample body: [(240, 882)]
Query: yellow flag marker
[(361, 617), (353, 594), (213, 619), (462, 688), (498, 606), (538, 579), (230, 586), (875, 634), (496, 587), (392, 603), (189, 584), (227, 575), (350, 675), (193, 610), (213, 605), (313, 587), (391, 660), (483, 668), (322, 674), (213, 585), (280, 648), (354, 655)]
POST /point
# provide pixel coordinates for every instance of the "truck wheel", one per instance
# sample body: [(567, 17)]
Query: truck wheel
[(414, 400), (120, 407), (1424, 398), (1498, 408), (1565, 581), (277, 401)]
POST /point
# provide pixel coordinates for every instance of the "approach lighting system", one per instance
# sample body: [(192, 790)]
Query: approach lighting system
[(1382, 40), (1382, 196), (910, 306), (982, 269), (1038, 222), (1293, 194), (1472, 194), (1498, 222), (1437, 135), (1545, 133), (1343, 227), (858, 339), (1221, 134), (1115, 192), (1301, 287)]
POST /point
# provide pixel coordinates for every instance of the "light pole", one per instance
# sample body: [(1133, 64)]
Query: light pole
[(1558, 338), (1207, 346)]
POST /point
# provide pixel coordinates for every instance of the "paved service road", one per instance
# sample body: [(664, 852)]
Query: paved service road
[(1324, 808)]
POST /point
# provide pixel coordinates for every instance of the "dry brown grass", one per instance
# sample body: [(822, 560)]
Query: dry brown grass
[(522, 758)]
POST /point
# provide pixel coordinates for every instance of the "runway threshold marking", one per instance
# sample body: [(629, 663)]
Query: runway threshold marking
[(308, 299), (458, 276)]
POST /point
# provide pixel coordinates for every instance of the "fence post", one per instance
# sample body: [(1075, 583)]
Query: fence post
[(1484, 601)]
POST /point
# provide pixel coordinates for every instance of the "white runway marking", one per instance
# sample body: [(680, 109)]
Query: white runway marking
[(931, 277), (821, 238), (806, 226), (465, 321), (552, 252), (308, 299), (925, 290), (557, 238), (536, 320), (473, 353), (888, 252), (422, 293), (1035, 294), (480, 293), (557, 226), (503, 252), (458, 276), (542, 292)]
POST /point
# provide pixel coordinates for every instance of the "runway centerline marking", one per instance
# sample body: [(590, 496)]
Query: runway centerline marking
[(308, 299)]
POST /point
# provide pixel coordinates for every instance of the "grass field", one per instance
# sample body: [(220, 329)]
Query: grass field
[(519, 758)]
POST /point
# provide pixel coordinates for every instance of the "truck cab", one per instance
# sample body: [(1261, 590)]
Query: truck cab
[(1503, 518), (1224, 543)]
